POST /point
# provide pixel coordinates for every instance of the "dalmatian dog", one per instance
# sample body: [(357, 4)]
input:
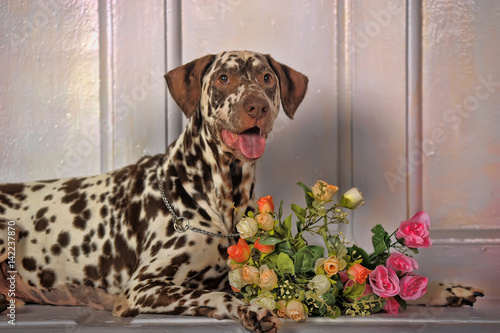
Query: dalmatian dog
[(152, 237)]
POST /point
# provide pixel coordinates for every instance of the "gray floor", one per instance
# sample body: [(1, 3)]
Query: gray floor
[(483, 317)]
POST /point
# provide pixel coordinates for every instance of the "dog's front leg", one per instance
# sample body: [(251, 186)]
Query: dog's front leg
[(157, 296)]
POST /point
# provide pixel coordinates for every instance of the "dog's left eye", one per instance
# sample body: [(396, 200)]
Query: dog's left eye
[(268, 78), (223, 79)]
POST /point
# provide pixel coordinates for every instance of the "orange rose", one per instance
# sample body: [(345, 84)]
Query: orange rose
[(358, 273), (239, 252), (331, 266), (263, 248), (249, 274), (266, 204), (265, 220), (268, 279)]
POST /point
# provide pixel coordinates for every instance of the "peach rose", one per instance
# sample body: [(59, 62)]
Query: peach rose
[(323, 191), (265, 220), (295, 310), (268, 279), (266, 204), (281, 309), (358, 273), (249, 275), (331, 266)]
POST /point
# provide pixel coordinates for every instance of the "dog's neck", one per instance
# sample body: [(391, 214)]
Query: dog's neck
[(213, 178)]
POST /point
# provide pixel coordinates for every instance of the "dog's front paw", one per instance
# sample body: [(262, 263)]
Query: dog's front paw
[(257, 319), (449, 294)]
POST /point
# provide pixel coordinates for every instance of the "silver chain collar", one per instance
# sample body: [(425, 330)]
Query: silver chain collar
[(182, 224)]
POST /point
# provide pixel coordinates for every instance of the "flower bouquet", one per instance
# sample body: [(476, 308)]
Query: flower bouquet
[(280, 271)]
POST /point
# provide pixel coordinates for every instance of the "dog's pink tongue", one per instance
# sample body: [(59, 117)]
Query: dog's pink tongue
[(252, 145)]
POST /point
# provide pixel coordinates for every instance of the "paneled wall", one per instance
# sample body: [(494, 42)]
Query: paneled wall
[(402, 103)]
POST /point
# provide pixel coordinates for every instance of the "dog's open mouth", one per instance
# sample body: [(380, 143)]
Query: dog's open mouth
[(251, 143)]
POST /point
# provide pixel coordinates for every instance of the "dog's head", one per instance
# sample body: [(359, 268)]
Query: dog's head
[(238, 94)]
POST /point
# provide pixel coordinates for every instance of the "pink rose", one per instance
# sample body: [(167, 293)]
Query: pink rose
[(400, 262), (415, 231), (412, 286), (384, 282), (391, 305), (343, 276)]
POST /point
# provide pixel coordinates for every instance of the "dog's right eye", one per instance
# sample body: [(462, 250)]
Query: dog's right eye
[(223, 79)]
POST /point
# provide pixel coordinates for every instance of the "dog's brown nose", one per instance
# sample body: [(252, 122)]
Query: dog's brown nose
[(256, 107)]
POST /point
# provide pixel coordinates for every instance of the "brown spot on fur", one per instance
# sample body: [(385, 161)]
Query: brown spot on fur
[(29, 263), (63, 239), (41, 224), (79, 223), (47, 278)]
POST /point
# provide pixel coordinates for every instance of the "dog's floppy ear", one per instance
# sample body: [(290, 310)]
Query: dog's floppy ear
[(293, 86), (184, 83)]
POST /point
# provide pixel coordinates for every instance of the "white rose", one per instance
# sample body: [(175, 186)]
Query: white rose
[(235, 279), (247, 227), (265, 300), (320, 284)]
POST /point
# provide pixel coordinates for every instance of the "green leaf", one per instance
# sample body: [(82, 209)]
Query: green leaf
[(355, 291), (355, 252), (285, 264), (317, 251), (280, 211), (299, 211), (304, 260), (268, 240), (287, 226), (401, 302), (381, 240), (414, 250), (335, 312), (329, 298), (284, 247), (299, 227), (373, 299), (299, 242), (307, 190)]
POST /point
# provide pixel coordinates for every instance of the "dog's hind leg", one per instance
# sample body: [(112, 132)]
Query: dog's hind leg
[(448, 294)]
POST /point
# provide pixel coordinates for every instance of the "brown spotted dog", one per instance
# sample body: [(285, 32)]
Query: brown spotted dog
[(111, 242)]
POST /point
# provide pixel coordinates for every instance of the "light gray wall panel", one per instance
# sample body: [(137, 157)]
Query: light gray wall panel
[(49, 95), (378, 112), (461, 118), (137, 69)]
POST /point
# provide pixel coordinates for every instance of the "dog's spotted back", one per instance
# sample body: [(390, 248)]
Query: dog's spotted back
[(109, 241)]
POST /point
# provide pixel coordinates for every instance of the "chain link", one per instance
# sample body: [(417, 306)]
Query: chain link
[(182, 224)]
